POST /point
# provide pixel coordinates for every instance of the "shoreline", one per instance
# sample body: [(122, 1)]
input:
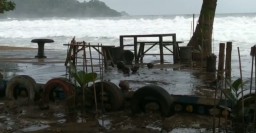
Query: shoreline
[(3, 48)]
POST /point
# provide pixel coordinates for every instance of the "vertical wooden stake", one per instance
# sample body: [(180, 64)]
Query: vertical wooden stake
[(242, 92), (94, 89), (228, 61), (221, 61), (252, 55), (135, 49)]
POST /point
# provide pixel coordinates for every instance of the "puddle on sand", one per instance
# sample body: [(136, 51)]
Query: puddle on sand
[(106, 123), (193, 130), (34, 128)]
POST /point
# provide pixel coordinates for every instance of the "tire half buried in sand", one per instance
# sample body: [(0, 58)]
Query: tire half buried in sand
[(21, 83), (109, 94), (152, 98), (60, 84)]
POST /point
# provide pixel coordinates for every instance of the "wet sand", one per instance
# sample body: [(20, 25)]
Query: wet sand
[(20, 61), (173, 78), (10, 48)]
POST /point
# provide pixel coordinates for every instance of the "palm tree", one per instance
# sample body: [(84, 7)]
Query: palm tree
[(202, 37)]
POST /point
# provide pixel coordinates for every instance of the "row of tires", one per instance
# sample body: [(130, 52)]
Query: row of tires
[(24, 85), (150, 98), (61, 88)]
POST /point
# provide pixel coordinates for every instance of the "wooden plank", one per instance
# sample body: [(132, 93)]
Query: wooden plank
[(148, 35), (161, 49), (164, 42), (158, 54)]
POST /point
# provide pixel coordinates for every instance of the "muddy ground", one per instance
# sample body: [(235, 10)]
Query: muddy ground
[(26, 117), (57, 119)]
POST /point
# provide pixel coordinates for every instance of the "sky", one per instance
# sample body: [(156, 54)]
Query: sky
[(167, 7)]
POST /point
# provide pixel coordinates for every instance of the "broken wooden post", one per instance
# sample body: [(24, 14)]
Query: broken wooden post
[(141, 52), (228, 61), (135, 50), (175, 49), (221, 61), (161, 49), (121, 39)]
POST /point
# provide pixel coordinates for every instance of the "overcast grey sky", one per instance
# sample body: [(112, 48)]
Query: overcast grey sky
[(162, 7)]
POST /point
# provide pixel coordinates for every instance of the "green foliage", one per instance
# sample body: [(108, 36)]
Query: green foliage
[(61, 8), (238, 84), (82, 77), (6, 6), (232, 92), (230, 95)]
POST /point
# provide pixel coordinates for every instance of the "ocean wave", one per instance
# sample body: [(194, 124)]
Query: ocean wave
[(107, 30)]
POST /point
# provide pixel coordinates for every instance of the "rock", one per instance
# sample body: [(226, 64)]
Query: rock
[(150, 65), (126, 70), (120, 65), (135, 68), (124, 85)]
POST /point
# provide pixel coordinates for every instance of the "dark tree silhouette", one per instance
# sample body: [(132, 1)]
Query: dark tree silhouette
[(61, 8), (6, 5), (202, 37)]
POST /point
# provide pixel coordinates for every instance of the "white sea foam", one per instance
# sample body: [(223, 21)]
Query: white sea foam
[(239, 29)]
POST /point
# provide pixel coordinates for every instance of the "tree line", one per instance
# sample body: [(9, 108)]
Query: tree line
[(60, 8), (6, 6)]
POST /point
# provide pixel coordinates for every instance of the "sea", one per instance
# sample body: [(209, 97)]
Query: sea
[(240, 29)]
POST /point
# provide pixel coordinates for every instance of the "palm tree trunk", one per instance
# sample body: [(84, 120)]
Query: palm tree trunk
[(202, 37)]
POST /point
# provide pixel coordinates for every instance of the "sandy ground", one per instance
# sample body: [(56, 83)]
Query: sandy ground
[(9, 48)]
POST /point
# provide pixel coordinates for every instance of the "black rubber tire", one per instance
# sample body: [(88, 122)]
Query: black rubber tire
[(63, 83), (152, 93), (3, 84), (115, 95), (21, 80), (249, 104)]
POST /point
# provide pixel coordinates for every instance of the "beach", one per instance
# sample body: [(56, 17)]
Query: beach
[(17, 57), (179, 81)]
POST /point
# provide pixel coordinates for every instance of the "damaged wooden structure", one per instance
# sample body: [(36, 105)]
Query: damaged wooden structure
[(80, 53), (163, 41)]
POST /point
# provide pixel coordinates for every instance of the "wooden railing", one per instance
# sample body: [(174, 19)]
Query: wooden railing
[(163, 40)]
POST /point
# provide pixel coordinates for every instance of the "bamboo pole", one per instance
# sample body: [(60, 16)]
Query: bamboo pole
[(215, 106), (252, 55), (193, 24), (84, 59), (241, 76), (100, 71), (83, 87), (94, 89), (254, 51)]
